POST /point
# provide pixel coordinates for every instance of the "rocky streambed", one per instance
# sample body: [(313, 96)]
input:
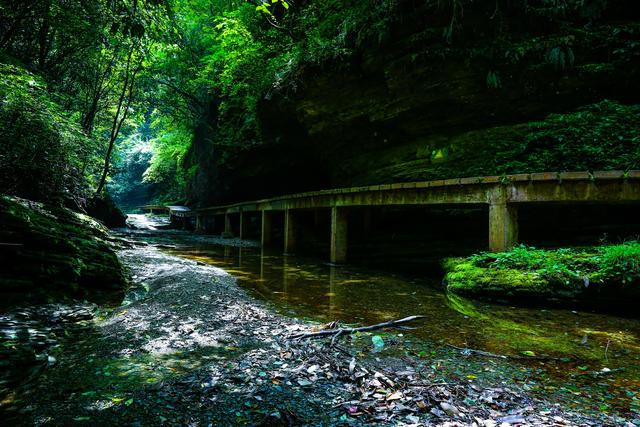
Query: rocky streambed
[(188, 346)]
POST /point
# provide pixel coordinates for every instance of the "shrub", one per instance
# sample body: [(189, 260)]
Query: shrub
[(43, 150)]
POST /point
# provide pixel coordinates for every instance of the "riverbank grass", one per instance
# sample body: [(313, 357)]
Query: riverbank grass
[(567, 273)]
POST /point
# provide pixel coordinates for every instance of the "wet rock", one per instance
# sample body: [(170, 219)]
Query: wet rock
[(51, 250)]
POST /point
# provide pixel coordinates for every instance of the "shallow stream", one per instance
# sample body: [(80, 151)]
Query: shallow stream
[(588, 362), (590, 358)]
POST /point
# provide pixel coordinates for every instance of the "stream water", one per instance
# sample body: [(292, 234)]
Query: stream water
[(585, 361), (591, 359)]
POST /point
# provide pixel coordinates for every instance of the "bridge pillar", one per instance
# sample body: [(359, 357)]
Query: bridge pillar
[(503, 226), (228, 229), (244, 224), (199, 224), (290, 227), (338, 234), (266, 234)]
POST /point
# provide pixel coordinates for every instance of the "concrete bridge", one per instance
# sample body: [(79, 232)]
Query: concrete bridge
[(179, 214), (501, 194)]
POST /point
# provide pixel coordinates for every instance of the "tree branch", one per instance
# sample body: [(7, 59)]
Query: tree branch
[(342, 331)]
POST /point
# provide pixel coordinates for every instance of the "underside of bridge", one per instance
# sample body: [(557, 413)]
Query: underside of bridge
[(416, 237), (429, 220)]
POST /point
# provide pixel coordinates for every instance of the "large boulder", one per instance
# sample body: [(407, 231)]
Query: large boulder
[(104, 209), (49, 250)]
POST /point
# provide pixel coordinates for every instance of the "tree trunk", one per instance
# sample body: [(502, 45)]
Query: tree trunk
[(122, 111)]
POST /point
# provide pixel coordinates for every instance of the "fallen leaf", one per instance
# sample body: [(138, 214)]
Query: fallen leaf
[(451, 410), (395, 395)]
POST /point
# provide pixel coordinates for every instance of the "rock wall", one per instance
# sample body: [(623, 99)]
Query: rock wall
[(419, 106)]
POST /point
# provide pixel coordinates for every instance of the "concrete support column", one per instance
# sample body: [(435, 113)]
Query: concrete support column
[(290, 227), (338, 234), (228, 229), (244, 225), (199, 224), (503, 226), (265, 235)]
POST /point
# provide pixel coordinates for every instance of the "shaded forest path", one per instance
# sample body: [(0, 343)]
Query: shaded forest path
[(189, 347)]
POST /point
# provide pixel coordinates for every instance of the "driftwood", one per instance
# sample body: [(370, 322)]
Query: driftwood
[(336, 332), (466, 351)]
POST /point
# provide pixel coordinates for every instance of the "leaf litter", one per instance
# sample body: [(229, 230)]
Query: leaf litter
[(216, 356)]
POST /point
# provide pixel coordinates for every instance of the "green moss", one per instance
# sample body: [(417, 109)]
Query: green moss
[(54, 250), (468, 278), (600, 136), (612, 271)]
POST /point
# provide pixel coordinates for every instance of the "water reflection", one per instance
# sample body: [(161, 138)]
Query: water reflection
[(309, 288)]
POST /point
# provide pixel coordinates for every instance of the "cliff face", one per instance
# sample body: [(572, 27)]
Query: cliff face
[(421, 107)]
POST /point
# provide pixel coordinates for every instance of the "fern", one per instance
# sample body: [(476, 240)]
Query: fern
[(493, 80), (561, 57)]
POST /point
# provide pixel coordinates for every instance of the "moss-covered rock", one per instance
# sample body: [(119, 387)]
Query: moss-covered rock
[(601, 272), (52, 250), (464, 277)]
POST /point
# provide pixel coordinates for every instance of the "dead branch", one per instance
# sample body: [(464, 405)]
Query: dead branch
[(341, 331), (467, 351)]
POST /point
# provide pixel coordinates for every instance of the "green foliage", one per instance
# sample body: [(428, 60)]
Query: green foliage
[(235, 63), (572, 267), (621, 263), (127, 187), (90, 54), (561, 57), (44, 151), (238, 56), (527, 272), (202, 64), (601, 136), (587, 9), (166, 166), (493, 80)]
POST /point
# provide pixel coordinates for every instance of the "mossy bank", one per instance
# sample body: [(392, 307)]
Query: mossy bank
[(587, 274), (49, 251)]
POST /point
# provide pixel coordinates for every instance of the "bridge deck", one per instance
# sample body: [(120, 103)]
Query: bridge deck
[(502, 194), (597, 187)]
